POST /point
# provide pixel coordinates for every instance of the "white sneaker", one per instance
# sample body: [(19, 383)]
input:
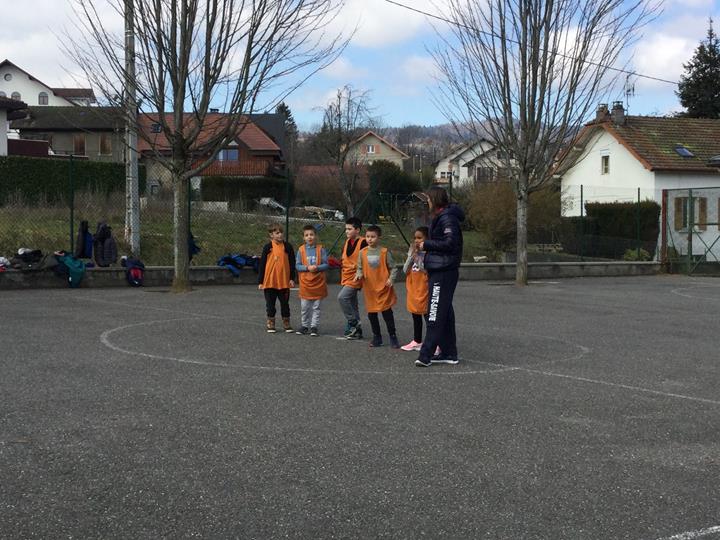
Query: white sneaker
[(412, 346)]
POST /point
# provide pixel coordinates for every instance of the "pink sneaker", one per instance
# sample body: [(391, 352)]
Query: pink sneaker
[(412, 346)]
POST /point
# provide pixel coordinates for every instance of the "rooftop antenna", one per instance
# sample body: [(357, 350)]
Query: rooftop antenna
[(629, 91)]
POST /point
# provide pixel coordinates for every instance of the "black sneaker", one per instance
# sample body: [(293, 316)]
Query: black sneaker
[(376, 341), (423, 362), (355, 332), (313, 331), (303, 331), (444, 359), (394, 343)]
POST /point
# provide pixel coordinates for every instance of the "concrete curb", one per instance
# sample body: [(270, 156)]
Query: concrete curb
[(161, 276)]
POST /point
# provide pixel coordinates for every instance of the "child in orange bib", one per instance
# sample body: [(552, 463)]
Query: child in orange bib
[(276, 276), (416, 287), (311, 267), (377, 270)]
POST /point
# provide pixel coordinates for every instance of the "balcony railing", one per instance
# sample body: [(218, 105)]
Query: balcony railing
[(239, 168)]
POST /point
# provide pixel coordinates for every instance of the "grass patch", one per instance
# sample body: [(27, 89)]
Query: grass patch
[(47, 228)]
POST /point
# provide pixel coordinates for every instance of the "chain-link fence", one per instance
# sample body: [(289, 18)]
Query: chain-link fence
[(691, 229)]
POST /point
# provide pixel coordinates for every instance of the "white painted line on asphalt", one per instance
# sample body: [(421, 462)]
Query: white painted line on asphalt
[(695, 287), (691, 535), (105, 340), (620, 385)]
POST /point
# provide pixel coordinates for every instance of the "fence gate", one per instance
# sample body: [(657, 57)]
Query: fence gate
[(690, 230)]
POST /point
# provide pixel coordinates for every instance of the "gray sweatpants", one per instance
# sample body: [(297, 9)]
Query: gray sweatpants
[(310, 313), (348, 298)]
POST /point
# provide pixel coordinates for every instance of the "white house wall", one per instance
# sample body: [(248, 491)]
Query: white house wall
[(28, 89), (3, 133), (626, 174)]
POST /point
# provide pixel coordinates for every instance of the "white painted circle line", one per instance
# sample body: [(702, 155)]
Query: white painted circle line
[(105, 340), (691, 535)]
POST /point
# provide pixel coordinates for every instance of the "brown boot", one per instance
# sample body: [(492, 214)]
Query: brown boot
[(286, 325), (271, 325)]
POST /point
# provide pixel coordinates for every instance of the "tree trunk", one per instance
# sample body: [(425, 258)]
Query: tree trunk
[(181, 221), (347, 195), (521, 267)]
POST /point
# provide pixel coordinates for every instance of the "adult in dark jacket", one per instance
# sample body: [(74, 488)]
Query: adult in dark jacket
[(443, 254)]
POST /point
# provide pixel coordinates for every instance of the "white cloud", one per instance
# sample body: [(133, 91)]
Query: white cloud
[(380, 23), (343, 70), (419, 69), (662, 55)]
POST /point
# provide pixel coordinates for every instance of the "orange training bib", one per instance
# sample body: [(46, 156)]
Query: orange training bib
[(277, 268), (378, 296), (313, 285)]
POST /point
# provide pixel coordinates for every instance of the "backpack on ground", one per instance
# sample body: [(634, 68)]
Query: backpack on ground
[(84, 242), (69, 268), (104, 245), (134, 271)]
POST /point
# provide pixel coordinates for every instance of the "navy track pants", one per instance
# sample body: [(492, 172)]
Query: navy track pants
[(441, 316)]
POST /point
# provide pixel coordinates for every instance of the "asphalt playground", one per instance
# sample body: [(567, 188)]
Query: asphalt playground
[(581, 409)]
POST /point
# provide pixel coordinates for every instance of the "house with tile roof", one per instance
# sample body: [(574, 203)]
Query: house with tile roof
[(16, 83), (671, 160), (93, 132), (468, 164), (97, 133), (371, 147), (616, 154)]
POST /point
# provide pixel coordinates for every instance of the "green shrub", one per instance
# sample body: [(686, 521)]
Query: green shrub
[(632, 255), (48, 180), (609, 229), (386, 177)]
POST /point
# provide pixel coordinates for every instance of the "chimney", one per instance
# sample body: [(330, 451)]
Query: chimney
[(602, 112), (618, 113)]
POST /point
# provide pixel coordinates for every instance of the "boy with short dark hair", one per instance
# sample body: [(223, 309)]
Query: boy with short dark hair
[(348, 296), (377, 269), (311, 267), (276, 276)]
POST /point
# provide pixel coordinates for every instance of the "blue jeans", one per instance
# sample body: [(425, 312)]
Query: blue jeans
[(348, 299)]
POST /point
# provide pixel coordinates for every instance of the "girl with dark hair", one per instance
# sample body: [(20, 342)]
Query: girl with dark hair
[(443, 254)]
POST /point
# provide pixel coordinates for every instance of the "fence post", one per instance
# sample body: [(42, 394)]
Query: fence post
[(287, 206), (691, 228), (637, 221), (189, 231), (71, 184), (582, 223)]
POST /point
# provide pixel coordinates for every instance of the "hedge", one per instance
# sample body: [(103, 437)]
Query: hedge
[(245, 190), (48, 180), (612, 228)]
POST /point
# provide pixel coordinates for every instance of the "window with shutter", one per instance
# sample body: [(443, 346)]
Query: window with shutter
[(79, 144), (702, 213), (680, 220)]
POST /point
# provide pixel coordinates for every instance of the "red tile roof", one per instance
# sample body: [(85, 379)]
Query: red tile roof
[(68, 93), (652, 141), (250, 135)]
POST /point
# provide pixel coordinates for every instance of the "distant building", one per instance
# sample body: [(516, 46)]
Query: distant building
[(16, 83), (94, 132), (9, 109), (371, 147)]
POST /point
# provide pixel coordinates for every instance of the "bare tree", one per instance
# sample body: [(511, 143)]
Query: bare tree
[(528, 73), (345, 118), (193, 56)]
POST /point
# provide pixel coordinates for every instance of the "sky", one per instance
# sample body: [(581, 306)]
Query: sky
[(388, 56)]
